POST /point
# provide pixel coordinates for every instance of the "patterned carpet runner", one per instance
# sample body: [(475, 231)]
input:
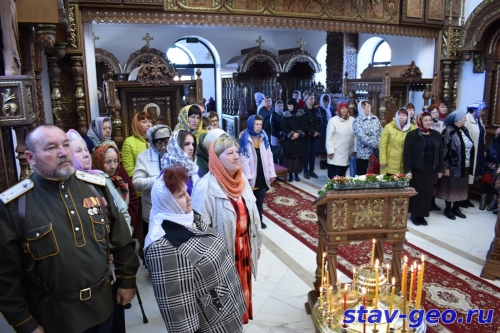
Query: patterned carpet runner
[(445, 286)]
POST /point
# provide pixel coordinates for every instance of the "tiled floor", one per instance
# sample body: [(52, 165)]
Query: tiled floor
[(286, 268)]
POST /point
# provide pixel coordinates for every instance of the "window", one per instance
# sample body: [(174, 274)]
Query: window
[(382, 55)]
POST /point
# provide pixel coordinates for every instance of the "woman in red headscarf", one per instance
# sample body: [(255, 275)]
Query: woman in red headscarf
[(339, 141)]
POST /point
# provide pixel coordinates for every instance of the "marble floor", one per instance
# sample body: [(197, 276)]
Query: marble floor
[(286, 268)]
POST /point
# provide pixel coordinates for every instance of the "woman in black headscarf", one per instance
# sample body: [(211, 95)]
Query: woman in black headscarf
[(293, 125)]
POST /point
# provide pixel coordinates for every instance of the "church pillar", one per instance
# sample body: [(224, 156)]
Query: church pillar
[(55, 96), (449, 59), (81, 109), (343, 46)]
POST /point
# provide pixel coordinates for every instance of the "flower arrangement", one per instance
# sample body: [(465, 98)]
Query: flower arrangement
[(369, 180)]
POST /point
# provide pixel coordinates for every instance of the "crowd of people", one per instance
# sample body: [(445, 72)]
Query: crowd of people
[(193, 198)]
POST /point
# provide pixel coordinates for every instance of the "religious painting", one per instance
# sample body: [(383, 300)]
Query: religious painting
[(244, 5), (414, 8), (341, 8), (297, 6), (435, 10), (198, 3)]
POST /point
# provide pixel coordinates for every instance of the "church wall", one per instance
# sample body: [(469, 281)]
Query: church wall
[(228, 42), (470, 85), (404, 51)]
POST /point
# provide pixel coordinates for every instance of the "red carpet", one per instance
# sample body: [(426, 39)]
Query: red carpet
[(445, 286)]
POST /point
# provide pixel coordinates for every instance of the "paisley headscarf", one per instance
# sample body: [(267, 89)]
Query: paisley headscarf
[(98, 163), (184, 122), (244, 136), (75, 136)]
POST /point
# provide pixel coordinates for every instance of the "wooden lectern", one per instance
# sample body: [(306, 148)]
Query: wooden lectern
[(345, 216)]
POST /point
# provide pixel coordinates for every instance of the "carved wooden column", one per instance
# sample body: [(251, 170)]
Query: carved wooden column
[(426, 96), (114, 113), (54, 79), (38, 68), (456, 73), (445, 90), (81, 109), (21, 133)]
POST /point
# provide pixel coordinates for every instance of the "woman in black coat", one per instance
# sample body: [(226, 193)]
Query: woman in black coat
[(423, 157), (313, 134), (458, 150), (294, 125)]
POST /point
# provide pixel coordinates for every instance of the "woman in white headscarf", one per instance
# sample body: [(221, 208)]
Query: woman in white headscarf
[(181, 150), (195, 281)]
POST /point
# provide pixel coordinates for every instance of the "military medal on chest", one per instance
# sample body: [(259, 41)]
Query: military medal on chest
[(93, 205)]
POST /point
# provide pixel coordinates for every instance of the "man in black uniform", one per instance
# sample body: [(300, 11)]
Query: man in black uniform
[(60, 236)]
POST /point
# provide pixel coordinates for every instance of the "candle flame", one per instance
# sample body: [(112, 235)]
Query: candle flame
[(374, 241), (320, 289), (376, 263), (346, 287), (393, 280), (406, 259), (419, 267), (331, 288), (354, 270), (388, 266), (415, 264), (363, 290), (412, 268), (422, 257), (324, 254)]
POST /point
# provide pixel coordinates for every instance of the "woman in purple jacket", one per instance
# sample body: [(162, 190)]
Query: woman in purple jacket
[(257, 160)]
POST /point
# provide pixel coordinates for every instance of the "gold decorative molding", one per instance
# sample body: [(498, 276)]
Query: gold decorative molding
[(399, 212), (368, 213), (256, 22), (9, 107), (478, 22), (72, 27), (339, 214)]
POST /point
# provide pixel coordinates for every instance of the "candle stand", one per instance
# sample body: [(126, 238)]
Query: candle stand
[(328, 312)]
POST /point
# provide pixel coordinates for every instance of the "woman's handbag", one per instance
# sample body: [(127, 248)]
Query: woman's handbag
[(352, 166), (373, 165)]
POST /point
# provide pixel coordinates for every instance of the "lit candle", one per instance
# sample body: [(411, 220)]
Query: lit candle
[(323, 267), (421, 284), (345, 297), (375, 305), (413, 276), (327, 276), (373, 250), (331, 299), (391, 301), (321, 297), (419, 287), (363, 290), (403, 287)]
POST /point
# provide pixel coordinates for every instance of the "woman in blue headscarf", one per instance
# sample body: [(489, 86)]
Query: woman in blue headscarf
[(257, 160), (458, 161)]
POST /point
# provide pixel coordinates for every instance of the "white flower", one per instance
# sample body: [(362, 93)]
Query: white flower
[(380, 177), (362, 178)]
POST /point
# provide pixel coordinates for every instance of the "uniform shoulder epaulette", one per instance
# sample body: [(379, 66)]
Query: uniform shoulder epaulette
[(90, 178), (16, 191)]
